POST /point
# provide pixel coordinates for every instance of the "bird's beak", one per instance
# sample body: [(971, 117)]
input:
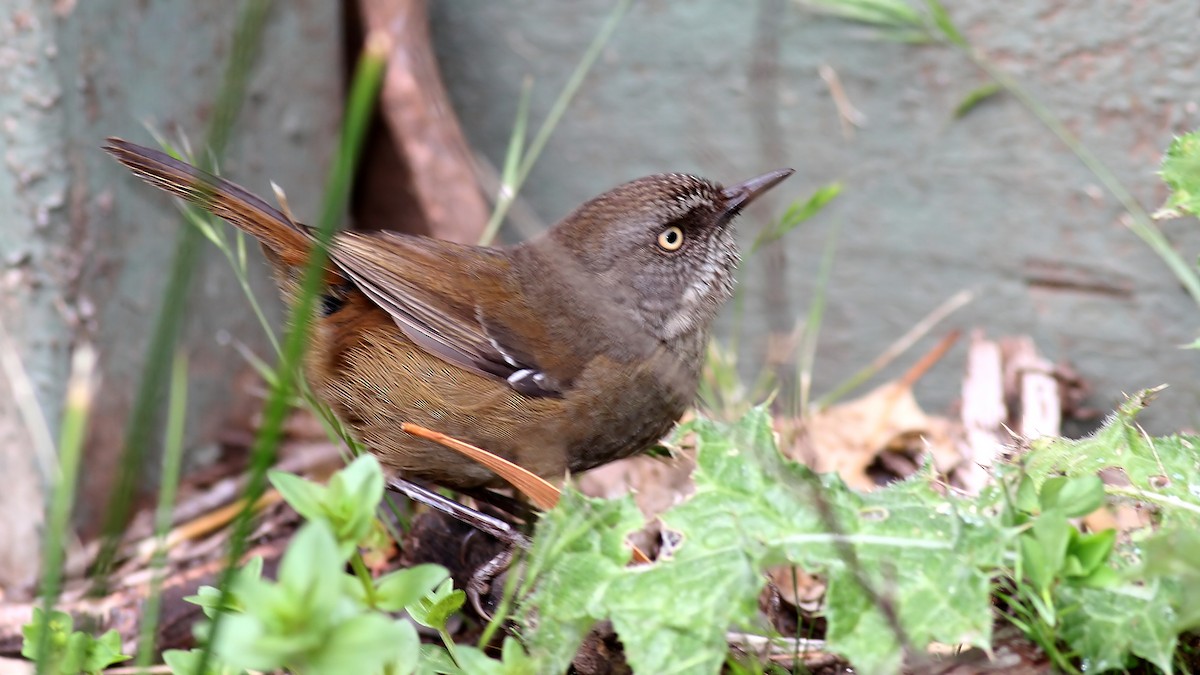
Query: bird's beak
[(738, 196)]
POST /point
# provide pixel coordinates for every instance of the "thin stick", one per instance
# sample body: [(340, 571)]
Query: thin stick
[(894, 350)]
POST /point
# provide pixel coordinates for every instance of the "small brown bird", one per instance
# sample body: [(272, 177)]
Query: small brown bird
[(574, 349)]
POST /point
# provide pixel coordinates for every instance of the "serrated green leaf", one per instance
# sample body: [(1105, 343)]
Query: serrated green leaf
[(1162, 471), (579, 548), (1107, 625), (397, 590), (925, 554), (1181, 172), (1174, 555)]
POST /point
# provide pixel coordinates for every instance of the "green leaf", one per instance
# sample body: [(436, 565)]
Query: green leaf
[(1081, 495), (437, 606), (310, 562), (579, 548), (516, 660), (407, 650), (475, 662), (975, 97), (1034, 563), (70, 651), (402, 588), (104, 652), (354, 494), (305, 496), (347, 505), (187, 663), (295, 621), (1100, 577), (1027, 495), (1048, 495), (435, 660), (1091, 550), (58, 626), (362, 644), (1107, 625), (1181, 172), (921, 552), (207, 597), (1163, 472), (1052, 531), (1174, 556)]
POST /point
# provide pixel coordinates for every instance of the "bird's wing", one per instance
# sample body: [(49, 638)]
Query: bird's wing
[(434, 291)]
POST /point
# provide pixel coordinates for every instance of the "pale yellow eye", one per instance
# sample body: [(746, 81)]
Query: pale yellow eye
[(670, 239)]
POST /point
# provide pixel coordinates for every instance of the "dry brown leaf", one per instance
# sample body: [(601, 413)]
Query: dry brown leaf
[(848, 437)]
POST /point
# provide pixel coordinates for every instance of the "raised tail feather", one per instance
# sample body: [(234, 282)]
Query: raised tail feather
[(217, 195)]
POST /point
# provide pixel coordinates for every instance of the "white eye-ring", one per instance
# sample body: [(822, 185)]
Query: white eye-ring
[(670, 239)]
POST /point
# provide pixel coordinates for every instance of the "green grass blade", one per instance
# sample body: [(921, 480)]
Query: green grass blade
[(80, 392), (812, 328), (1140, 221), (557, 110), (168, 487), (139, 429), (512, 166), (922, 328), (363, 93)]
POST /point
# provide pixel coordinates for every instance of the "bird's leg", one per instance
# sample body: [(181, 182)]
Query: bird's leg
[(480, 521), (481, 581), (502, 502)]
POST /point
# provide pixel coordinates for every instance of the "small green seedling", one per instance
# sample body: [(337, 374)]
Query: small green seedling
[(70, 651)]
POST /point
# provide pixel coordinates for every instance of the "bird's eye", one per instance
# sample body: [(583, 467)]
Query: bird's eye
[(670, 239)]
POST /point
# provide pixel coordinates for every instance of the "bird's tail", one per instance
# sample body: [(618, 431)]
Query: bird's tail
[(215, 194)]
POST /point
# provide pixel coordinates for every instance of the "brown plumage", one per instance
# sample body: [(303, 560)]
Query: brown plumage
[(571, 350)]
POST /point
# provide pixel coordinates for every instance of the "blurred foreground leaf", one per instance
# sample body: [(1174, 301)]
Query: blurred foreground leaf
[(1181, 171), (922, 555)]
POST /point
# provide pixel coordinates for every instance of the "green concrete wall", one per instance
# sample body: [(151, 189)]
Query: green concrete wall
[(931, 205), (85, 248)]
